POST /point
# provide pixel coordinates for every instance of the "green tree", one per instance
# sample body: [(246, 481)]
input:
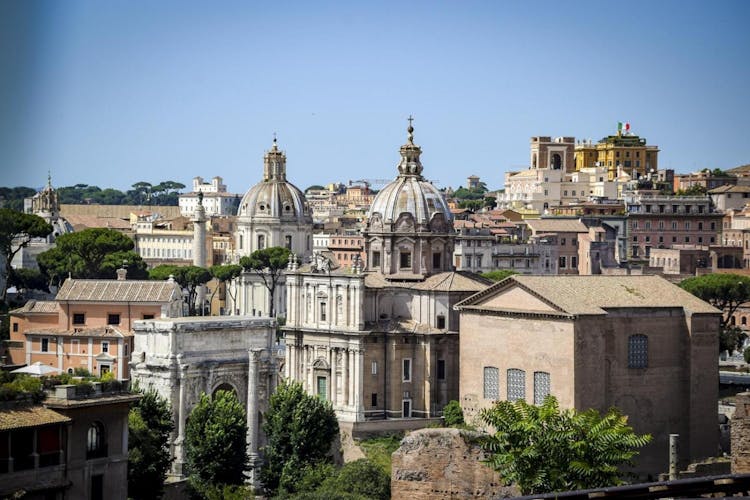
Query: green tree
[(453, 414), (188, 277), (498, 274), (28, 279), (543, 449), (746, 354), (17, 229), (149, 426), (726, 292), (224, 274), (300, 429), (360, 478), (12, 198), (215, 441), (91, 254), (267, 263)]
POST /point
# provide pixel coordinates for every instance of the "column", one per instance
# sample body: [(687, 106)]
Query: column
[(287, 365), (120, 359), (345, 378), (352, 387), (252, 404), (358, 388), (90, 355), (334, 378), (182, 417), (428, 377), (309, 360), (60, 353)]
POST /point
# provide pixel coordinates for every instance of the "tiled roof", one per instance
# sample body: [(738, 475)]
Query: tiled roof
[(29, 416), (728, 188), (557, 226), (88, 221), (117, 291), (37, 307), (594, 294), (108, 331), (456, 281)]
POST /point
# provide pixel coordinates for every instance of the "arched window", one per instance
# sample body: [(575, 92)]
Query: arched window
[(744, 320), (288, 241), (96, 446), (541, 387), (261, 241), (556, 162), (638, 351)]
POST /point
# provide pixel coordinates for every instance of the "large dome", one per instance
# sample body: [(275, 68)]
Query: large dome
[(274, 197), (409, 192)]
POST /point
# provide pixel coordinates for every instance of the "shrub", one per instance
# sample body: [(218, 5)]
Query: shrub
[(746, 354), (453, 414), (84, 389), (81, 372)]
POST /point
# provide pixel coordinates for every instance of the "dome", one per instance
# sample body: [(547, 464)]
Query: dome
[(274, 197), (409, 192)]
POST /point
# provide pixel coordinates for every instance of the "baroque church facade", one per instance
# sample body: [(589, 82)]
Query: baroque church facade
[(272, 213), (381, 341)]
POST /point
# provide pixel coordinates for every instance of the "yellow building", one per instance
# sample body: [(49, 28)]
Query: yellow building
[(622, 151)]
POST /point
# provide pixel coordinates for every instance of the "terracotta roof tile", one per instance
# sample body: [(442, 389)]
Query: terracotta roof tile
[(29, 416), (117, 291), (557, 226), (37, 307)]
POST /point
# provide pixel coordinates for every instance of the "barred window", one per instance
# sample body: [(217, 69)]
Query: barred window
[(541, 387), (491, 383), (638, 351), (516, 384)]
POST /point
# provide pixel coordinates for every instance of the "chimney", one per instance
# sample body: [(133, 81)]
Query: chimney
[(121, 273)]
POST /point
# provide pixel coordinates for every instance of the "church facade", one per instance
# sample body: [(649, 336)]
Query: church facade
[(273, 213), (380, 341)]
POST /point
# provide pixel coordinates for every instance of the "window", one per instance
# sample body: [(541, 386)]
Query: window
[(113, 319), (374, 399), (261, 241), (288, 240), (687, 226), (404, 260), (79, 318), (375, 259), (406, 370), (323, 388), (516, 384), (440, 321), (638, 351), (562, 242), (562, 262), (574, 262), (322, 311), (148, 316), (491, 383), (125, 349), (45, 345), (105, 346), (541, 387), (674, 225), (441, 369), (15, 326), (374, 367), (95, 442)]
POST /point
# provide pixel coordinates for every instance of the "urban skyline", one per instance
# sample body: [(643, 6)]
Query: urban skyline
[(112, 94)]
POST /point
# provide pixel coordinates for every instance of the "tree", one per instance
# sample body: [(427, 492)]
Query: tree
[(215, 441), (725, 292), (28, 279), (453, 414), (17, 229), (542, 449), (498, 274), (267, 263), (188, 277), (361, 478), (91, 254), (224, 274), (300, 429), (149, 426)]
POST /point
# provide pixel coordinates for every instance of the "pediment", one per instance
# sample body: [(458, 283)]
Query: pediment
[(517, 298)]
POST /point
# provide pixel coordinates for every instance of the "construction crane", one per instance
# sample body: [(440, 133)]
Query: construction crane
[(371, 182)]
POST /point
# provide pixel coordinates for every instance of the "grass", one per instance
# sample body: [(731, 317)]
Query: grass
[(378, 449)]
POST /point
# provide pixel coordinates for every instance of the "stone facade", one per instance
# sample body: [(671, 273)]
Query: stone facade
[(443, 463), (181, 359), (638, 343)]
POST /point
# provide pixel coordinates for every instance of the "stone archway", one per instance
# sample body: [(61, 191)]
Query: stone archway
[(225, 386)]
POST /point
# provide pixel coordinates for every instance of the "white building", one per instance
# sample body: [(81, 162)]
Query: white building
[(216, 199), (273, 213)]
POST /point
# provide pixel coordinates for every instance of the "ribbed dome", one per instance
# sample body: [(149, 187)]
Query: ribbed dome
[(274, 197), (410, 192)]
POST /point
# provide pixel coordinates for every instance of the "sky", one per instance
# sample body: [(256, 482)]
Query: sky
[(110, 93)]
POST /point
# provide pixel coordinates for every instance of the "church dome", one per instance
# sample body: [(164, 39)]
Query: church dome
[(410, 192), (274, 197)]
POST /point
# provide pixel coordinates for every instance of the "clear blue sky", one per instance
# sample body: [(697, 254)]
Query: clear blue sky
[(110, 93)]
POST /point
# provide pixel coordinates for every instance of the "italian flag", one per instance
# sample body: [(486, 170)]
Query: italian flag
[(623, 127)]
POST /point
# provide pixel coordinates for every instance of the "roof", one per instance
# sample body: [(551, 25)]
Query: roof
[(88, 221), (728, 188), (579, 295), (37, 307), (117, 291), (108, 331), (456, 281), (21, 417), (557, 226)]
